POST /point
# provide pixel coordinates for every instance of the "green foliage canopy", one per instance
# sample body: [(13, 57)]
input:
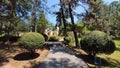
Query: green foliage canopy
[(31, 41), (42, 23), (97, 42)]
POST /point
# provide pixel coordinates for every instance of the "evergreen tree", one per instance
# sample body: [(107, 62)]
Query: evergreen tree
[(42, 23)]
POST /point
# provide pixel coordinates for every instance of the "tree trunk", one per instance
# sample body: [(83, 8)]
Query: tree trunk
[(64, 21), (32, 51), (1, 25), (73, 26)]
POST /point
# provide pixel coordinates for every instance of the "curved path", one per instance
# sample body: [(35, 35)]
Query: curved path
[(62, 57)]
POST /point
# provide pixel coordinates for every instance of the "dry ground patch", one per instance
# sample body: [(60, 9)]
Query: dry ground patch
[(7, 58)]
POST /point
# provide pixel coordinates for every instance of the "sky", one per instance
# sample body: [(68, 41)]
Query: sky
[(52, 18)]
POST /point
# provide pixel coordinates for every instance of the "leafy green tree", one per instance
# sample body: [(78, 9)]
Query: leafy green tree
[(37, 6), (114, 8), (50, 26), (22, 27), (61, 18), (10, 13), (67, 7), (20, 8), (103, 17), (80, 27), (91, 16), (12, 8), (42, 23), (72, 4)]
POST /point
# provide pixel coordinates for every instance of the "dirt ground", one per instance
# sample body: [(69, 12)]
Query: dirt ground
[(17, 57)]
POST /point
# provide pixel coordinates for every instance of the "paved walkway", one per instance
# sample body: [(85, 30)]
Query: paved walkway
[(62, 57)]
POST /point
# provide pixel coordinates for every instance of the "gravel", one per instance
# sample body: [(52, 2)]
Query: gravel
[(62, 57)]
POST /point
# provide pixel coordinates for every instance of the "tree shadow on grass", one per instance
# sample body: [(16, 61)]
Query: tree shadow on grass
[(90, 59), (3, 60), (117, 49), (113, 63), (26, 56), (117, 38)]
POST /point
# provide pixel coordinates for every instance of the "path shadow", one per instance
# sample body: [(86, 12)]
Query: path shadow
[(47, 46), (3, 60), (58, 48), (26, 56), (90, 59), (61, 63), (64, 49)]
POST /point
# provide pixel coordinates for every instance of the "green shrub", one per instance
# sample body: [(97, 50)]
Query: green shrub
[(31, 41), (53, 38), (71, 36), (67, 40), (97, 42)]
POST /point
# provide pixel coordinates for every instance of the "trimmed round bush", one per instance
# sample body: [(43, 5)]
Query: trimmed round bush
[(97, 42), (31, 41)]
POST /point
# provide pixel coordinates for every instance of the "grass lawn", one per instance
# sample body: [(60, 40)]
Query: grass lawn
[(114, 58)]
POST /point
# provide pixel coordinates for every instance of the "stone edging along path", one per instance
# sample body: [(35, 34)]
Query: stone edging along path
[(62, 57)]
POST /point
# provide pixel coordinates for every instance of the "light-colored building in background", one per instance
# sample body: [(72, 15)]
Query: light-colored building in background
[(51, 32)]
